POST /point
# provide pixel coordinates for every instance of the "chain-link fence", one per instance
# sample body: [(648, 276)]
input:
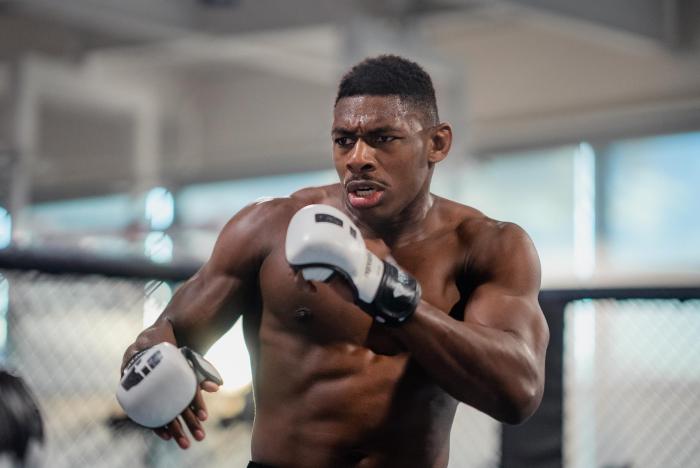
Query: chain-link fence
[(66, 334), (631, 380), (632, 384)]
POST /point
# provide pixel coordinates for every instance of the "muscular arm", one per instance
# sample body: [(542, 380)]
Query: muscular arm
[(209, 303), (494, 359)]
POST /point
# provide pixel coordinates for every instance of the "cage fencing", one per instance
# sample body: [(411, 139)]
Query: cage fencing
[(632, 383), (622, 389)]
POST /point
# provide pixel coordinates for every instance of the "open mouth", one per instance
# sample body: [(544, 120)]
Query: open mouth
[(364, 194)]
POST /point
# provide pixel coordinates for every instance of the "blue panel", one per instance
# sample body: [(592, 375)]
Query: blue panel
[(653, 215)]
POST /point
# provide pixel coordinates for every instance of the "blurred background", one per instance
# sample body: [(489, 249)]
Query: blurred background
[(131, 131)]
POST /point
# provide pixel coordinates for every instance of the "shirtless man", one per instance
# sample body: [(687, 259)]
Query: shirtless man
[(333, 385)]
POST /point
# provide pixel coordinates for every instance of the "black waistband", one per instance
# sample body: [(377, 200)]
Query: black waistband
[(253, 464)]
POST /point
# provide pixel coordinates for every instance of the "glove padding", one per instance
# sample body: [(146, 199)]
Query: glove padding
[(160, 382), (322, 240)]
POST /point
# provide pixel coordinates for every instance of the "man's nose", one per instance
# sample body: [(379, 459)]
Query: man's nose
[(361, 158)]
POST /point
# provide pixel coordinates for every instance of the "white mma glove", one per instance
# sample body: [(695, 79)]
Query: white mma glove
[(322, 240), (160, 382)]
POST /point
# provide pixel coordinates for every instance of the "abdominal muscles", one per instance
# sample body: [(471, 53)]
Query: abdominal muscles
[(339, 404)]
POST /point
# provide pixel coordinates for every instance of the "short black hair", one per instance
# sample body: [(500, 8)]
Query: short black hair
[(388, 75), (20, 419)]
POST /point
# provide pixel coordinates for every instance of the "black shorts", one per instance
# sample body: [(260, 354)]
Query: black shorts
[(253, 464)]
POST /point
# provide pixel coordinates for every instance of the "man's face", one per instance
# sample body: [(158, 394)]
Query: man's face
[(380, 151)]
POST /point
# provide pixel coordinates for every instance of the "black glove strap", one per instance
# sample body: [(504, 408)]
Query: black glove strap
[(397, 297)]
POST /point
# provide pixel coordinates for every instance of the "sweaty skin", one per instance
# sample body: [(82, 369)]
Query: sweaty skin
[(332, 389)]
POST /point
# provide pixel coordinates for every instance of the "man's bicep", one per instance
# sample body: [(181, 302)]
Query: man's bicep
[(210, 302), (493, 307), (508, 298)]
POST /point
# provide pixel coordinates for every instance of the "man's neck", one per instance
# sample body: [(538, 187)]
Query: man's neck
[(403, 228)]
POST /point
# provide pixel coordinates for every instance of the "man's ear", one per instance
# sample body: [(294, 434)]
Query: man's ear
[(440, 143)]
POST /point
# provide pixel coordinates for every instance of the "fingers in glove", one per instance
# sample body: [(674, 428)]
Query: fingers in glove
[(163, 433), (303, 283), (175, 429), (341, 287), (198, 405), (209, 386), (193, 424)]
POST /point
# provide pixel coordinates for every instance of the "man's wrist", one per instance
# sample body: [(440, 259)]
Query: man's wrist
[(397, 297)]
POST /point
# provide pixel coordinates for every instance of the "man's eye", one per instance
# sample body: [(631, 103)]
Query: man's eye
[(379, 139), (344, 141)]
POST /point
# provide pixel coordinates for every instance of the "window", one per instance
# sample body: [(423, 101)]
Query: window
[(652, 208)]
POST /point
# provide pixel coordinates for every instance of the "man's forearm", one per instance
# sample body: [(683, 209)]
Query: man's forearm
[(492, 370)]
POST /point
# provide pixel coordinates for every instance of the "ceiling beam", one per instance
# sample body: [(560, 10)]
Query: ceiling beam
[(672, 23)]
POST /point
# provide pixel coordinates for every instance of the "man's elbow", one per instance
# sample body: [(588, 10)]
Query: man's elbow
[(522, 401), (525, 386)]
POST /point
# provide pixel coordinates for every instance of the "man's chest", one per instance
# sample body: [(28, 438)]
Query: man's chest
[(326, 312)]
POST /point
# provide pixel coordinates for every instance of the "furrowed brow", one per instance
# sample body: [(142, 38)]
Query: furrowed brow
[(385, 129), (371, 131), (341, 131)]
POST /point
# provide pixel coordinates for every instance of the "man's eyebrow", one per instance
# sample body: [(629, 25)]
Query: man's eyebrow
[(384, 129), (341, 130), (371, 131)]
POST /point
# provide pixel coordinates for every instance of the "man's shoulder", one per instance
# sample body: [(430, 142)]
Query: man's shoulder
[(310, 195), (490, 247), (268, 211), (466, 220), (476, 228), (258, 228)]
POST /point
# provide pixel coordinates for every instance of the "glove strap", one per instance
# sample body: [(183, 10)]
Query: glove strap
[(202, 368), (397, 297)]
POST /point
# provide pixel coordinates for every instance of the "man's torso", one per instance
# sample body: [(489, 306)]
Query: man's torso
[(331, 388)]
